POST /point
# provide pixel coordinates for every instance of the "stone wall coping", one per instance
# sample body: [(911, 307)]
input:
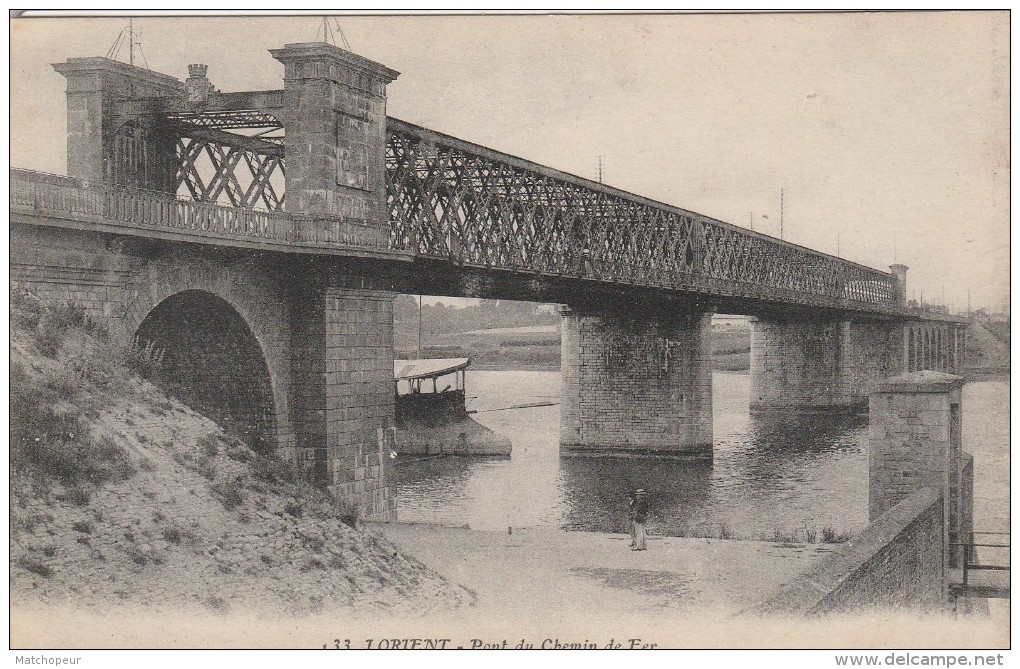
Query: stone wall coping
[(810, 589), (102, 64), (311, 51), (924, 381)]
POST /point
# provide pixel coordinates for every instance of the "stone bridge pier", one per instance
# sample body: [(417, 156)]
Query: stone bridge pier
[(799, 364), (341, 393), (636, 384), (836, 362)]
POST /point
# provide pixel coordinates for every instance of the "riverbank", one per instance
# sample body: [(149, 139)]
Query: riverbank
[(680, 593), (527, 571), (538, 348), (544, 588)]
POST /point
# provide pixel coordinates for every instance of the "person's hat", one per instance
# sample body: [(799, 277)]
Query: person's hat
[(639, 491)]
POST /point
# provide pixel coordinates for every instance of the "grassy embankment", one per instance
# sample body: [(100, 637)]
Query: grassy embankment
[(987, 353), (121, 495)]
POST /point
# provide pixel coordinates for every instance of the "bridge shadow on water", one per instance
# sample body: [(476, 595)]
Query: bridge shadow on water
[(777, 442), (596, 490)]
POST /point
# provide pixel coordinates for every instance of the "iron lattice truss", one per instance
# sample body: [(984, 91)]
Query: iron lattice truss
[(214, 165), (225, 120), (452, 200), (214, 171)]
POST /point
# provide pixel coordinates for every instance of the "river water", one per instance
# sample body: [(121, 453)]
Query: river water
[(793, 476)]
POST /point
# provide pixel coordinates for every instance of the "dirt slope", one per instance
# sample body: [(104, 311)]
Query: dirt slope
[(122, 496), (986, 353)]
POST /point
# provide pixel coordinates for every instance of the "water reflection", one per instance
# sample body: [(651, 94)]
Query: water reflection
[(788, 447), (770, 472), (803, 433), (596, 490)]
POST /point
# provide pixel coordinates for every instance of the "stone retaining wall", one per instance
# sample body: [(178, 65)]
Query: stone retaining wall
[(896, 562)]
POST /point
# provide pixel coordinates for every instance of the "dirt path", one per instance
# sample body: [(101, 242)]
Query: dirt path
[(564, 573)]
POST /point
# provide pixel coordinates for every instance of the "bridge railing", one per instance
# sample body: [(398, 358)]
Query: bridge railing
[(449, 199), (70, 198)]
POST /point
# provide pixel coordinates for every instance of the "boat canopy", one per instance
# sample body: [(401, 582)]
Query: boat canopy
[(408, 370)]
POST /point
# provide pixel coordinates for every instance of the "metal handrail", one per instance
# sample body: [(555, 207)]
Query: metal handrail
[(968, 545)]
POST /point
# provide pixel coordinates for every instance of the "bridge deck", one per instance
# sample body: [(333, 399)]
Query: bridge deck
[(447, 207)]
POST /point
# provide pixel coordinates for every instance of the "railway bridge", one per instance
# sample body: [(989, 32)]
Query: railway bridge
[(257, 238)]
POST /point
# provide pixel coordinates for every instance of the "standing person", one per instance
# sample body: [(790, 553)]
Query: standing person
[(638, 515), (631, 501)]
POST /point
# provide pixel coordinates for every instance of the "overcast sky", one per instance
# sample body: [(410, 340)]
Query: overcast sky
[(890, 130)]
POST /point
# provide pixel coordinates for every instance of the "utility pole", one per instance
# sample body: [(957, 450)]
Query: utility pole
[(837, 245), (752, 221), (780, 213), (419, 327), (131, 41)]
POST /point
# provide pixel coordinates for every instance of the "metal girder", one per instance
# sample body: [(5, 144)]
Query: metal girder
[(262, 145), (212, 164), (263, 101), (224, 120)]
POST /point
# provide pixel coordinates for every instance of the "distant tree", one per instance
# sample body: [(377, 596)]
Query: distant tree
[(441, 318)]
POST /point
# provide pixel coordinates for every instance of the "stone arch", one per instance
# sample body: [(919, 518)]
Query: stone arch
[(917, 349), (938, 349), (249, 291), (925, 347), (212, 361), (943, 349)]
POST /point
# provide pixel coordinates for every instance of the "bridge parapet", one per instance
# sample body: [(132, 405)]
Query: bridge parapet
[(141, 211)]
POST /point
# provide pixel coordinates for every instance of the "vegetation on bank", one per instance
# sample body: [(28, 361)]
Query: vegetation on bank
[(502, 335), (537, 347), (779, 535), (120, 494), (987, 352), (440, 319)]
